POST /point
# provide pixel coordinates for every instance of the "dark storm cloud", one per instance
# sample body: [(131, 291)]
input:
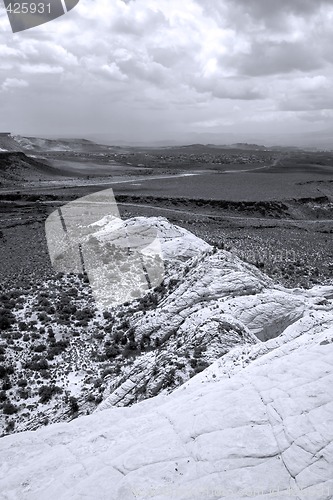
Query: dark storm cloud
[(267, 58), (272, 12)]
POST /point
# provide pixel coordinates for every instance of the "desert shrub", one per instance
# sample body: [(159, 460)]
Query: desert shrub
[(50, 333), (169, 378), (39, 348), (37, 363), (123, 340), (7, 318), (46, 392), (98, 335), (73, 405), (9, 408), (107, 371), (6, 385), (10, 369), (108, 328), (23, 393), (43, 302), (10, 426), (145, 342), (84, 314), (72, 292), (117, 337), (200, 366), (43, 317), (172, 283), (98, 382), (107, 315), (130, 349), (16, 335), (45, 374), (6, 370), (198, 350), (111, 351)]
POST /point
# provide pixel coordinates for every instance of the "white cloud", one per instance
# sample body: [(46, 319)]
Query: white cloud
[(13, 83), (41, 68)]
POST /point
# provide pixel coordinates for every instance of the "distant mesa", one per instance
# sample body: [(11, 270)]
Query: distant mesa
[(8, 143), (251, 147)]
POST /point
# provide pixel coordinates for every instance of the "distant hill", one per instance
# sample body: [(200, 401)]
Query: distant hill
[(38, 144), (8, 143), (251, 147), (18, 167)]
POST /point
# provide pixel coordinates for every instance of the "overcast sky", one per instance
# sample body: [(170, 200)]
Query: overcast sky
[(146, 70)]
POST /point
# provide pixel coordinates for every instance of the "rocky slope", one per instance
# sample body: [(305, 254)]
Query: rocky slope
[(241, 371), (257, 424), (17, 167), (38, 144), (8, 142), (61, 346), (215, 302)]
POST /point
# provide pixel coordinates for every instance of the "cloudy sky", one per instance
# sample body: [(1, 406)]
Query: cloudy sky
[(149, 70)]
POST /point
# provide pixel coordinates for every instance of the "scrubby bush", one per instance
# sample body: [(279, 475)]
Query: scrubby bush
[(6, 370), (111, 351), (7, 318), (46, 392), (10, 426), (73, 405), (23, 393), (37, 363), (6, 385), (9, 408), (22, 326), (130, 349), (39, 348)]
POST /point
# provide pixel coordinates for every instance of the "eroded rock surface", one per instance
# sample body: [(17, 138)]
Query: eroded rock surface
[(258, 423), (218, 302)]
